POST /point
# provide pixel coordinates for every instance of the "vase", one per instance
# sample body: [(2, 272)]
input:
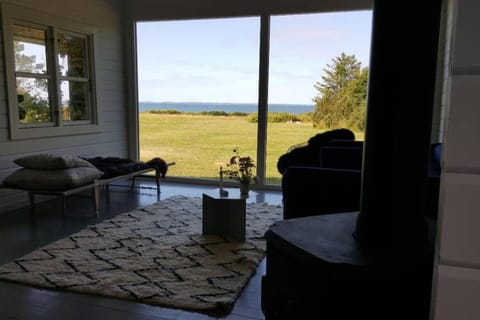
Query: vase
[(244, 188)]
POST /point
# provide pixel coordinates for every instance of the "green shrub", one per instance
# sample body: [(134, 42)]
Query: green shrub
[(306, 117), (168, 111), (239, 114), (223, 113), (273, 117), (282, 117), (213, 113), (253, 117)]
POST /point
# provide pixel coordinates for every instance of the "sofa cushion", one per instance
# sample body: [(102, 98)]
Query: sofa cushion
[(308, 154), (341, 157), (346, 143), (51, 161), (322, 139), (54, 179)]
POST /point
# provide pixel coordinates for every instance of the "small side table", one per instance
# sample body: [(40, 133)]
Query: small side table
[(224, 215)]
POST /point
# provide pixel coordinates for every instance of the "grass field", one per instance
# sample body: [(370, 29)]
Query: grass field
[(200, 144)]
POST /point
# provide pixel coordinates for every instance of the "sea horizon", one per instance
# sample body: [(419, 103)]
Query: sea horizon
[(223, 106)]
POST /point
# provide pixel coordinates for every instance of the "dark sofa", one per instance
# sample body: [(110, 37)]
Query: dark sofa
[(334, 184)]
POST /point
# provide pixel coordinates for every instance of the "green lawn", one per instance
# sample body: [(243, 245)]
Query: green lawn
[(200, 144)]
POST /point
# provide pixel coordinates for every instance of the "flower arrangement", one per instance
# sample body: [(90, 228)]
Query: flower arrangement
[(240, 168)]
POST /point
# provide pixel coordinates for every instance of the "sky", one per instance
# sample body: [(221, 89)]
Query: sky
[(217, 60)]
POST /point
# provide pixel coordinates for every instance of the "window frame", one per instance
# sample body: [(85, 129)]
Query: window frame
[(14, 15)]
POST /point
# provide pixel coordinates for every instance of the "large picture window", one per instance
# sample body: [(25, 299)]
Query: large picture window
[(50, 78), (208, 86)]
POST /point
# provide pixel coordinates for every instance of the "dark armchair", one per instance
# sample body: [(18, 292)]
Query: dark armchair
[(334, 185), (330, 187), (309, 191)]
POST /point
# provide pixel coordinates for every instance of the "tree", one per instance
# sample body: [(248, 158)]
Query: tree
[(342, 94), (23, 62), (33, 109), (338, 75)]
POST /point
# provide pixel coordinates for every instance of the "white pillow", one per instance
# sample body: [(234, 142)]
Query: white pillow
[(57, 179), (51, 161)]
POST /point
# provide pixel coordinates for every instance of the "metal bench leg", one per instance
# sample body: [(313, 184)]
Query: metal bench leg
[(65, 204), (132, 186), (31, 198), (157, 180), (96, 197)]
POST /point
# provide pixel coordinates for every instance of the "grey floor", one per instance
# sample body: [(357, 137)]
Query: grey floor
[(21, 232)]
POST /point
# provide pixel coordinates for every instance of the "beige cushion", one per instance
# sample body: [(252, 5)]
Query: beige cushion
[(54, 179), (51, 161)]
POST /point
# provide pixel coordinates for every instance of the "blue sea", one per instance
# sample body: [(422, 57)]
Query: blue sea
[(227, 107)]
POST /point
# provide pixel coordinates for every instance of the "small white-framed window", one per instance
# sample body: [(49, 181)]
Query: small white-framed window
[(50, 76)]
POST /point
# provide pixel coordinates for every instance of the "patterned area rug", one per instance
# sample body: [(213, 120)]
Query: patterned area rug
[(155, 255)]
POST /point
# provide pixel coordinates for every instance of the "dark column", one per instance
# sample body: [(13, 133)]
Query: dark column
[(399, 115)]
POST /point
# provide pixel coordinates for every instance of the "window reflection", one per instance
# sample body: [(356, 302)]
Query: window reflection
[(72, 55)]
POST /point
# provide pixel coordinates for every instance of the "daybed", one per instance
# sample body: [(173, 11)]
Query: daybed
[(63, 176)]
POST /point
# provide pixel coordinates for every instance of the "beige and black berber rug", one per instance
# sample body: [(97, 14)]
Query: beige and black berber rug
[(155, 255)]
